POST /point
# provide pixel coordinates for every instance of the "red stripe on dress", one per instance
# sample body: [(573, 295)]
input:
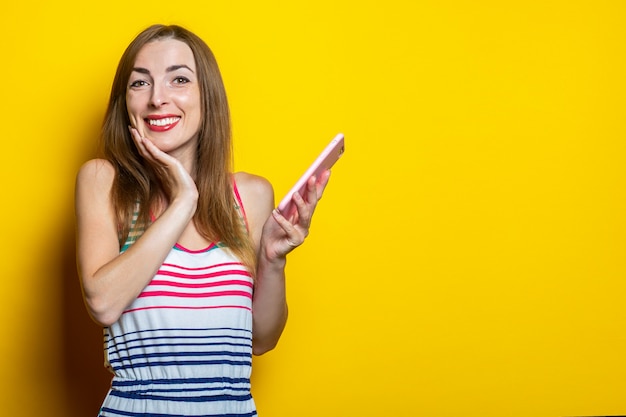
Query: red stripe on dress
[(194, 295), (203, 267), (185, 308), (155, 282), (207, 275)]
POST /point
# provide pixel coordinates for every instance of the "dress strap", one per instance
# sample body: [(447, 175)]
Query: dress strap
[(134, 232), (239, 207)]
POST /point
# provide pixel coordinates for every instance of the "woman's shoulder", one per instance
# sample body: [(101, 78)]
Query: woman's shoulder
[(257, 197), (253, 186), (97, 167), (95, 174)]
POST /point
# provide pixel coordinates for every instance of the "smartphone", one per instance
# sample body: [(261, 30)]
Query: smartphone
[(326, 159)]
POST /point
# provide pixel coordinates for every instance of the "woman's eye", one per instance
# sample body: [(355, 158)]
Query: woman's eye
[(138, 83), (181, 80)]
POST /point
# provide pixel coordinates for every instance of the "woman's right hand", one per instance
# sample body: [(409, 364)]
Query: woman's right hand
[(176, 181)]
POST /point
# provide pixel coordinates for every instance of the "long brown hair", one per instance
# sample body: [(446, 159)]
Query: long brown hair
[(135, 183)]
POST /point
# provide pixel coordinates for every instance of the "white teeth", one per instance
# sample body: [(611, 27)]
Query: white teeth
[(163, 122)]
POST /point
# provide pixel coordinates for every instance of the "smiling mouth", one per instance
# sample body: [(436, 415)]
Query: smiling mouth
[(163, 122)]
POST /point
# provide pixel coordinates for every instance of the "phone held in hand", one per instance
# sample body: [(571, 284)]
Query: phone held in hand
[(325, 160)]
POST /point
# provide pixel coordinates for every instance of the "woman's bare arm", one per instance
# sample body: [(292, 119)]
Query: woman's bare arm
[(274, 237), (110, 280)]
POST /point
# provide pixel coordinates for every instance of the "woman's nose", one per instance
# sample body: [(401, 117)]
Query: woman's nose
[(159, 96)]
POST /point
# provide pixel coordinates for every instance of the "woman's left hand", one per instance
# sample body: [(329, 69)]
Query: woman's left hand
[(281, 235)]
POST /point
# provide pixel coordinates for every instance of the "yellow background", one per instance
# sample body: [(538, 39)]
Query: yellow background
[(468, 257)]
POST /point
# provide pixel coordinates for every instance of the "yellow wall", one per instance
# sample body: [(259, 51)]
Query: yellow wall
[(469, 255)]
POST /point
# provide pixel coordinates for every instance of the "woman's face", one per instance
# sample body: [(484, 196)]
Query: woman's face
[(163, 96)]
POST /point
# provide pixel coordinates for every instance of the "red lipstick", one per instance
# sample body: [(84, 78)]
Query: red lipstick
[(161, 122)]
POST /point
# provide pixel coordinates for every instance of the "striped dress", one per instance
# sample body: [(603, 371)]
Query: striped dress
[(184, 346)]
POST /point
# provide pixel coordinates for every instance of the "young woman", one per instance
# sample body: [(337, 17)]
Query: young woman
[(181, 260)]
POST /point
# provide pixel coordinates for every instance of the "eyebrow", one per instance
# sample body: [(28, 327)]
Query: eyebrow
[(168, 69)]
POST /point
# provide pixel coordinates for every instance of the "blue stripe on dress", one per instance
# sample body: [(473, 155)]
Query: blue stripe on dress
[(112, 412), (178, 381)]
